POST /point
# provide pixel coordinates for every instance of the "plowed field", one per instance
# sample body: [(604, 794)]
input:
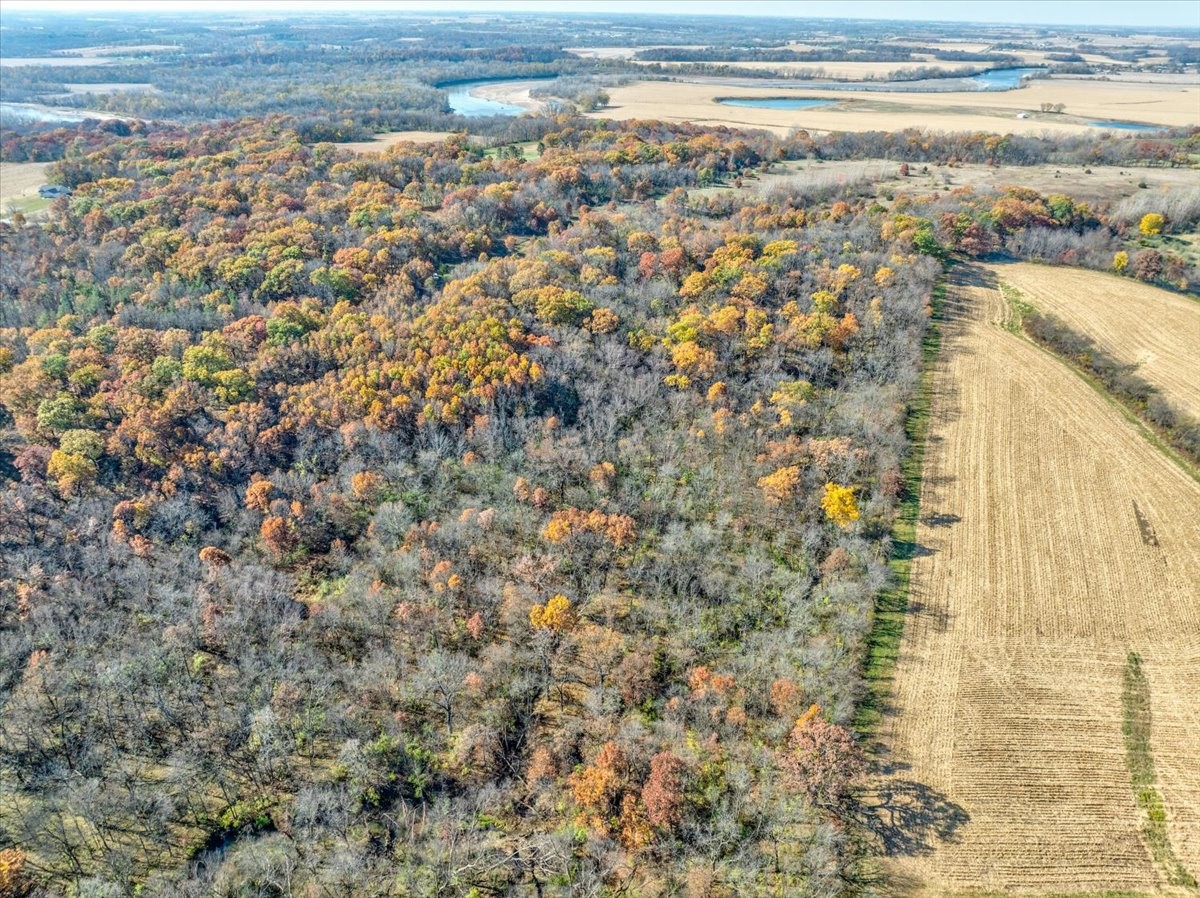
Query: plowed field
[(1133, 322), (1053, 541)]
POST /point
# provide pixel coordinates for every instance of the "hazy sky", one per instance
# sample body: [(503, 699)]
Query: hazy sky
[(1177, 13)]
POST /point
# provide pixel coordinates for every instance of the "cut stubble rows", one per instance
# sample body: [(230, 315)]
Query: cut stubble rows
[(1034, 578)]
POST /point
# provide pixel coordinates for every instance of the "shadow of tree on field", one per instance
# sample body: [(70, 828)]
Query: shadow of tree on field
[(932, 480), (910, 818), (937, 617), (974, 275)]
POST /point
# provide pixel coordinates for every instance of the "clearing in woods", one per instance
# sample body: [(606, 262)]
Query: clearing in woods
[(19, 182), (1132, 322), (381, 142), (1053, 542)]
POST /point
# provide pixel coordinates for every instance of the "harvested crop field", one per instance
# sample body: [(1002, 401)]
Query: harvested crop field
[(1053, 541), (383, 141), (112, 87), (21, 178), (1098, 183), (842, 69), (695, 101), (19, 182), (1133, 322)]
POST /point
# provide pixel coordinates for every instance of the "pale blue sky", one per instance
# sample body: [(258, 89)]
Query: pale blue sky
[(1155, 13)]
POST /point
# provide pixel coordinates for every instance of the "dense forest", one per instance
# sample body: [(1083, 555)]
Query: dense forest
[(443, 522), (498, 516), (425, 499)]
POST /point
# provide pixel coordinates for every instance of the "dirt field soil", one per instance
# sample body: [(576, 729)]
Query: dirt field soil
[(1133, 322), (389, 139), (1053, 540)]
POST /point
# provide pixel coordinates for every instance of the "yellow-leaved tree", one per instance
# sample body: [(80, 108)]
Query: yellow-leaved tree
[(1151, 224), (554, 615), (840, 505)]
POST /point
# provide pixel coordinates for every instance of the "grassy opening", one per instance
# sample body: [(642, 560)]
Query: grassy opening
[(1135, 702), (891, 605)]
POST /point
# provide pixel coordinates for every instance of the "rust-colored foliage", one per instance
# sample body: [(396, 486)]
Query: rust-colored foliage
[(214, 557), (822, 759), (662, 794), (278, 536), (596, 786)]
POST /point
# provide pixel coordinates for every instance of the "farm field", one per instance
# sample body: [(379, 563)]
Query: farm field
[(438, 458), (389, 139), (621, 52), (19, 182), (1135, 323), (854, 69), (1099, 183), (111, 87), (1085, 100), (1053, 540), (850, 70), (1096, 184), (118, 50), (57, 61)]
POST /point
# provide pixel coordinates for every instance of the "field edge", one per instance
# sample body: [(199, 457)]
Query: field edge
[(891, 604), (1019, 309)]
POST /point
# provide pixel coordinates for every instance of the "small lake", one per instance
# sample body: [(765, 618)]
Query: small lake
[(775, 102), (463, 102), (1126, 126), (1001, 79)]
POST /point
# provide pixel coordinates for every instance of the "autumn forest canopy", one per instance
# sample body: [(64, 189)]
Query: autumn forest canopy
[(483, 517)]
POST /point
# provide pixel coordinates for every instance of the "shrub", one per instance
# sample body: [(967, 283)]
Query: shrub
[(1151, 224)]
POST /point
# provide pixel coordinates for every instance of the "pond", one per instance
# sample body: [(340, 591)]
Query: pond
[(774, 102), (1001, 79), (1126, 126), (463, 102)]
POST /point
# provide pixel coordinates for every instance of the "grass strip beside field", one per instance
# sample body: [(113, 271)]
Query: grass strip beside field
[(891, 605), (1135, 701), (1018, 307)]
